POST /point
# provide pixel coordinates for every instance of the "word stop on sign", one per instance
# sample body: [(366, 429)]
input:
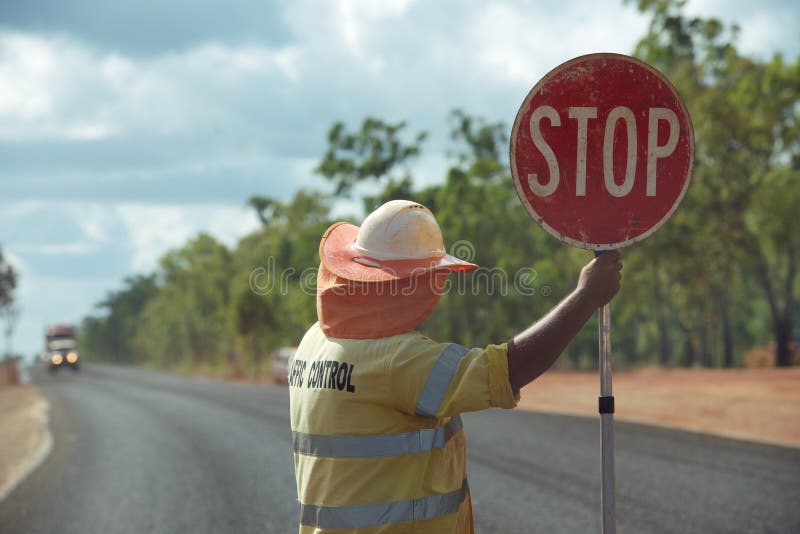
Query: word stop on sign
[(582, 115), (601, 151)]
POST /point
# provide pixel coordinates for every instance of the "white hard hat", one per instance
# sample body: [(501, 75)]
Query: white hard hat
[(399, 239), (400, 230)]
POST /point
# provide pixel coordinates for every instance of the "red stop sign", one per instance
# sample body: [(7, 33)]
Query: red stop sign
[(602, 151)]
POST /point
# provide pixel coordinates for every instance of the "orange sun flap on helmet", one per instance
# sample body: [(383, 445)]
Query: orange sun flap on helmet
[(360, 310)]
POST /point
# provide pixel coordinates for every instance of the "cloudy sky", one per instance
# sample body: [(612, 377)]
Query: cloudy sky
[(127, 127)]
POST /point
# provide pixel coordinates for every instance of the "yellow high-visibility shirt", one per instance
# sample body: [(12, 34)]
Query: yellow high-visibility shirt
[(378, 444)]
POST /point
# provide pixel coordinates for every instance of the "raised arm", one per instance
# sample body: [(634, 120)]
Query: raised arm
[(533, 351)]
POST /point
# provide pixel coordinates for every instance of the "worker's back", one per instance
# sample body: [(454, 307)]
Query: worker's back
[(375, 406), (366, 455), (378, 442)]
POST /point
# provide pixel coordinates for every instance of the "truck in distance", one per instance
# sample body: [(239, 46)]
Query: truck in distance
[(61, 348)]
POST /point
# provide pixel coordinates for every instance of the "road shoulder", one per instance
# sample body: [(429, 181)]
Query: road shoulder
[(760, 405), (25, 440)]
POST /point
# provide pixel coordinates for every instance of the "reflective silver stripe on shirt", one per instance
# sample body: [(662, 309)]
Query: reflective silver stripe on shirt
[(373, 515), (414, 442), (439, 380)]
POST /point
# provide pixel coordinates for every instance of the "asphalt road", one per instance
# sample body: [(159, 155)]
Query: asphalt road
[(144, 452)]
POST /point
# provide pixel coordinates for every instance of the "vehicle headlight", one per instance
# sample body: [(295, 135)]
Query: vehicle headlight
[(56, 359), (72, 357)]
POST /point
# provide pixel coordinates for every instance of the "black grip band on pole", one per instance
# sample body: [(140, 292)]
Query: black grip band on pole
[(605, 404)]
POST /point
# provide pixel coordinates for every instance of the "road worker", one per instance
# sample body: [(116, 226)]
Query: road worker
[(378, 442)]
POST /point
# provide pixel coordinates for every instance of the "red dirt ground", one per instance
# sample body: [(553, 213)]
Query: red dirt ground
[(754, 404)]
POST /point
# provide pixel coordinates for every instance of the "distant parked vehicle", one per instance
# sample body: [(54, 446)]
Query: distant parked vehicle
[(279, 362), (61, 348)]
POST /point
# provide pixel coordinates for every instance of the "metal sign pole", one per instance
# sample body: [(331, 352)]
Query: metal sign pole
[(606, 409)]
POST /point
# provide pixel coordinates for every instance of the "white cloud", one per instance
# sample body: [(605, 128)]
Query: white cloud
[(766, 32), (228, 224), (81, 228), (60, 88), (347, 35), (344, 208), (88, 131), (765, 27), (97, 230), (357, 19), (95, 221), (216, 62), (514, 46), (288, 61), (154, 229), (429, 169), (75, 248), (21, 209), (26, 63)]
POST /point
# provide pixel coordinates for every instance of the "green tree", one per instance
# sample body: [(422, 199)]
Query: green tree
[(272, 291), (8, 282), (480, 146), (746, 120), (772, 247), (9, 311), (256, 320), (111, 335), (187, 322), (375, 152)]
